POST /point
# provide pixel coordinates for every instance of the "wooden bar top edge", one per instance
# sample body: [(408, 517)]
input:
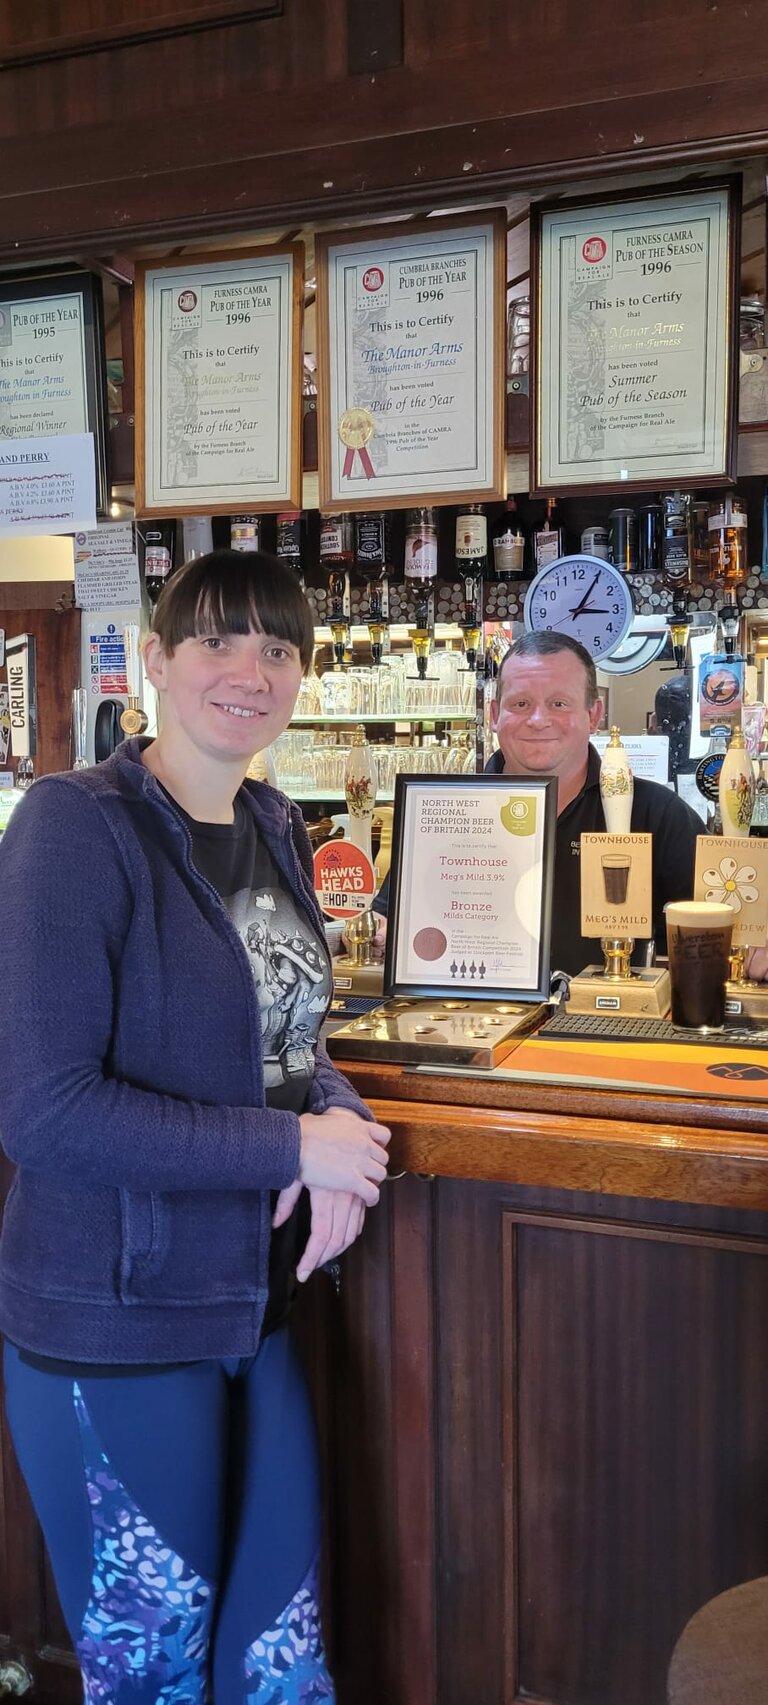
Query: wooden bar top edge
[(557, 1137)]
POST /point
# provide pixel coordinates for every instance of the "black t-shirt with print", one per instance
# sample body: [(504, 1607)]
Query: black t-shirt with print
[(293, 987), (292, 973)]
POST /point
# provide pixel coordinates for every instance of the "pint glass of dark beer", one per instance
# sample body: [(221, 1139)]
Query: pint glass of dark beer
[(699, 942)]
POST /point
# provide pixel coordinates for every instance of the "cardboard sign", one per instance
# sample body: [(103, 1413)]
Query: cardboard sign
[(344, 880), (733, 871), (616, 885)]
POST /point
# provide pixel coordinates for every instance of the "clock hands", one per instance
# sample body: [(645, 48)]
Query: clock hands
[(585, 600)]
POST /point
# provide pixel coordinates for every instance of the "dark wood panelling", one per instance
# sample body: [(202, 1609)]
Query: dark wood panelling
[(31, 30), (601, 1428), (626, 1384), (167, 138), (375, 35)]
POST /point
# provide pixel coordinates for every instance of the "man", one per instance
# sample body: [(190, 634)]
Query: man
[(547, 706)]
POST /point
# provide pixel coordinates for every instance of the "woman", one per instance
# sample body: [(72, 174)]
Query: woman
[(166, 1101)]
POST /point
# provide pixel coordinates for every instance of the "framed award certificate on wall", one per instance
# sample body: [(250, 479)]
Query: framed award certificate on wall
[(218, 382), (635, 327), (470, 911), (53, 380), (411, 364)]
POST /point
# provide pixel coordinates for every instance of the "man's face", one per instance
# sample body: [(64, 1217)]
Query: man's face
[(542, 719)]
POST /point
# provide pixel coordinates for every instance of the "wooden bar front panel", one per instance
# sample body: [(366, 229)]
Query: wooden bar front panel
[(550, 1441)]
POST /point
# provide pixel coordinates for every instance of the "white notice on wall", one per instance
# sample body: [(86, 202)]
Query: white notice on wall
[(106, 567), (47, 485), (648, 754)]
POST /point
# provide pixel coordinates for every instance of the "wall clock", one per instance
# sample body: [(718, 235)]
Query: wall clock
[(584, 598)]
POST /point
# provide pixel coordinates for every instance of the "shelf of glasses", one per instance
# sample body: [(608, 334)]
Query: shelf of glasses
[(339, 720)]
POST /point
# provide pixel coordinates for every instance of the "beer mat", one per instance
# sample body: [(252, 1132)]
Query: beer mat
[(722, 1072)]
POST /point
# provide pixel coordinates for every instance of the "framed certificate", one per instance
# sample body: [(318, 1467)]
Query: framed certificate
[(411, 363), (53, 379), (218, 383), (471, 904), (634, 340)]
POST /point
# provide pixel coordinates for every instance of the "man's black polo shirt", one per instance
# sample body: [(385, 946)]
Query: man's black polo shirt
[(657, 811)]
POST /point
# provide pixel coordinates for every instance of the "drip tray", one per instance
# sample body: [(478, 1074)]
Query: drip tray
[(476, 1033)]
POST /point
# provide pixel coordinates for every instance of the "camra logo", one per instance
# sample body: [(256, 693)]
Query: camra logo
[(594, 249), (373, 278), (187, 301)]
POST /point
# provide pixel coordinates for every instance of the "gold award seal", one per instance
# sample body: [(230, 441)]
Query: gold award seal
[(356, 428)]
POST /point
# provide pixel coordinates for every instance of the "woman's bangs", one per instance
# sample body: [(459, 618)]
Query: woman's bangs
[(233, 592)]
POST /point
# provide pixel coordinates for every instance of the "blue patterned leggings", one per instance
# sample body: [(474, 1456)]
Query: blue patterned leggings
[(181, 1513)]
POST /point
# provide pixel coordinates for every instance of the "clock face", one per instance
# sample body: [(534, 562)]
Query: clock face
[(583, 597)]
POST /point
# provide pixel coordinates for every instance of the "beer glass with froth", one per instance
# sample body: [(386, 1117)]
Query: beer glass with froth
[(699, 942)]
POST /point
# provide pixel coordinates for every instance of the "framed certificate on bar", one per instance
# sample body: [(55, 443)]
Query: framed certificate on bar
[(53, 380), (470, 911), (218, 382), (411, 362), (635, 340)]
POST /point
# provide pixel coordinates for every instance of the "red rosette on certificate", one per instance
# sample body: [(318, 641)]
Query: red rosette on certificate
[(356, 429)]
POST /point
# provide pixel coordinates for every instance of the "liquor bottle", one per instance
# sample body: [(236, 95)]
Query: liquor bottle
[(700, 530), (677, 549), (336, 554), (472, 541), (547, 539), (290, 541), (155, 540), (421, 551), (728, 541), (337, 541), (622, 540), (650, 537), (196, 536), (372, 561), (509, 544), (245, 533), (371, 545), (472, 565)]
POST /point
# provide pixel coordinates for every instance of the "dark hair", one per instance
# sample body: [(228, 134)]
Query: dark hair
[(234, 592), (548, 645)]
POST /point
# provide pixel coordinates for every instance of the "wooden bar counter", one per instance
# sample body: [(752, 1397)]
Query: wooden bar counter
[(543, 1391)]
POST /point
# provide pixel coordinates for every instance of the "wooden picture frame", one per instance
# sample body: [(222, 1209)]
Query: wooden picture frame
[(236, 280), (412, 366), (64, 315), (661, 351)]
